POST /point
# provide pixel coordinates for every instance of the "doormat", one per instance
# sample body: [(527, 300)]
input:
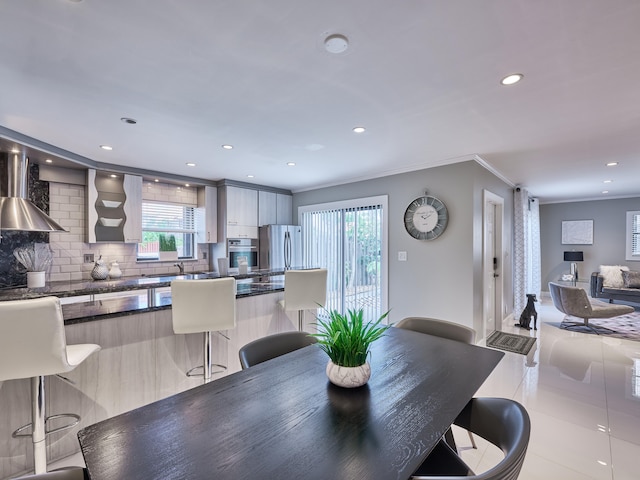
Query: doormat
[(623, 326), (510, 342)]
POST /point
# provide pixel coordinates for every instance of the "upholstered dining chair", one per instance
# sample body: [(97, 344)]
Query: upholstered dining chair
[(442, 329), (575, 302), (273, 346), (503, 422), (304, 290), (204, 306)]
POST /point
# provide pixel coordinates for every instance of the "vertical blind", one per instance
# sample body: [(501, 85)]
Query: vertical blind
[(349, 242), (635, 234)]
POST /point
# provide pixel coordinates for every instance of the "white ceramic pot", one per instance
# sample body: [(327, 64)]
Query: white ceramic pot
[(35, 279), (348, 377)]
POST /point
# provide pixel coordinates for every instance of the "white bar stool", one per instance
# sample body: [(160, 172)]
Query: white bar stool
[(203, 306), (33, 345), (304, 290)]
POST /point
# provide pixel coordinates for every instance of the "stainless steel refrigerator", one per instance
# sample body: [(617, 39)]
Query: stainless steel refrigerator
[(280, 246)]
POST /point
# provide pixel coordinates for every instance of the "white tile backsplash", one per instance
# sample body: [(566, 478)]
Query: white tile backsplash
[(67, 205)]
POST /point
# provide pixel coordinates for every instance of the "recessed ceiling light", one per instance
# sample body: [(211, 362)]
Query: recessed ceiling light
[(605, 191), (48, 160), (106, 147), (607, 181), (187, 185), (291, 164), (113, 175), (336, 43), (191, 164), (249, 176), (227, 147), (156, 180), (511, 79), (130, 121), (612, 164), (359, 129), (15, 150)]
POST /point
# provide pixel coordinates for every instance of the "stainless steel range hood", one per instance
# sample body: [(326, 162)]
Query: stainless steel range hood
[(16, 212)]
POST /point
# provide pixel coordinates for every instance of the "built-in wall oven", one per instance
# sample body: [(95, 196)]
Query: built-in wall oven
[(243, 247)]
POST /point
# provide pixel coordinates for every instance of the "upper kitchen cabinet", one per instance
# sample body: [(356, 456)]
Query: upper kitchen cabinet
[(114, 207), (237, 212), (207, 215), (274, 208)]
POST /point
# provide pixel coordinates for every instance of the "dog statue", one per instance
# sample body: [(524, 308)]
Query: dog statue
[(528, 312)]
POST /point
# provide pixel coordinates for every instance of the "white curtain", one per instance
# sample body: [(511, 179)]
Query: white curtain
[(526, 268)]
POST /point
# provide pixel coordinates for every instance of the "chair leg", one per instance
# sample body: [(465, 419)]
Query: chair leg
[(38, 428), (473, 442), (207, 356)]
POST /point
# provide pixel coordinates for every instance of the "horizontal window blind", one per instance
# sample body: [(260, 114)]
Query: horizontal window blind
[(165, 217)]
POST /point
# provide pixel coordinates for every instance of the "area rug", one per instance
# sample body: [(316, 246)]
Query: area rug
[(510, 342), (623, 326)]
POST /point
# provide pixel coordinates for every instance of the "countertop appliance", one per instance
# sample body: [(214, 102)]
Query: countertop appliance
[(280, 246)]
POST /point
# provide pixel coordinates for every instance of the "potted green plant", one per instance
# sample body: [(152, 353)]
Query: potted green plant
[(167, 247), (346, 339)]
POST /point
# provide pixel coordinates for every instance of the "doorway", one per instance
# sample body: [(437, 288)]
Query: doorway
[(492, 264)]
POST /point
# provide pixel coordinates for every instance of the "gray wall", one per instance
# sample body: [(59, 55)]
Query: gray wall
[(441, 278), (609, 232)]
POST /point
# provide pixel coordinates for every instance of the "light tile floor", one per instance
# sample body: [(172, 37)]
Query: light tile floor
[(582, 393)]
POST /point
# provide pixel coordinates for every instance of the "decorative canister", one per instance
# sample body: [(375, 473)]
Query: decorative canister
[(115, 271), (35, 279), (100, 270)]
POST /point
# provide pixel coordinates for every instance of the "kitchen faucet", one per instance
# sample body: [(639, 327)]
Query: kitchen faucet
[(180, 267)]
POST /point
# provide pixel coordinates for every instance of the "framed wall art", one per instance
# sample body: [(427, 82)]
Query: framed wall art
[(577, 232)]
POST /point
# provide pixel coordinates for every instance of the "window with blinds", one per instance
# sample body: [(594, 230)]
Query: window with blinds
[(633, 235), (167, 219), (349, 239)]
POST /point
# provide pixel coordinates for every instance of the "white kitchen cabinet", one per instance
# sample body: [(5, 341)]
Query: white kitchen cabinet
[(114, 207), (284, 207), (267, 208), (207, 215), (274, 208), (238, 212)]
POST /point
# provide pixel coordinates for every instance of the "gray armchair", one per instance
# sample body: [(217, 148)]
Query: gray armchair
[(575, 302)]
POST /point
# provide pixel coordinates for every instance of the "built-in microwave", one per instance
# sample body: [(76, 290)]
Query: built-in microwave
[(243, 247)]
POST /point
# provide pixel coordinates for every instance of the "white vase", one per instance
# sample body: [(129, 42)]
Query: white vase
[(35, 279), (348, 377)]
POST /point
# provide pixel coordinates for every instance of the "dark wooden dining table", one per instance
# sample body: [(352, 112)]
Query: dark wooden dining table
[(282, 419)]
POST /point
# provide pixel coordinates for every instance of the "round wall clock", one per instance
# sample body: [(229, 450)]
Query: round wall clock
[(426, 218)]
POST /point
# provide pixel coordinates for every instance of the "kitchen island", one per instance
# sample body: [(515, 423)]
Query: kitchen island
[(141, 359)]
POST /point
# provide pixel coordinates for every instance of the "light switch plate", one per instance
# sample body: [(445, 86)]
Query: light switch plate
[(402, 256)]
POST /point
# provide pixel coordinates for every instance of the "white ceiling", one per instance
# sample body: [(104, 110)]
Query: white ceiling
[(421, 75)]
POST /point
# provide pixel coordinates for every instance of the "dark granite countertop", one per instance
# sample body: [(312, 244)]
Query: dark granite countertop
[(92, 287), (257, 282)]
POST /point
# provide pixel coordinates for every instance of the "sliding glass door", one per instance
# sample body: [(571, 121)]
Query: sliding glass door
[(349, 239)]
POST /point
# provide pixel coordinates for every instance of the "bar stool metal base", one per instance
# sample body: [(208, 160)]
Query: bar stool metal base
[(38, 424), (207, 367)]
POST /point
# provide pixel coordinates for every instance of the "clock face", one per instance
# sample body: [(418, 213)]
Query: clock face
[(426, 218)]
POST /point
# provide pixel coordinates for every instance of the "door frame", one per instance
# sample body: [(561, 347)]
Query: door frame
[(491, 200)]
